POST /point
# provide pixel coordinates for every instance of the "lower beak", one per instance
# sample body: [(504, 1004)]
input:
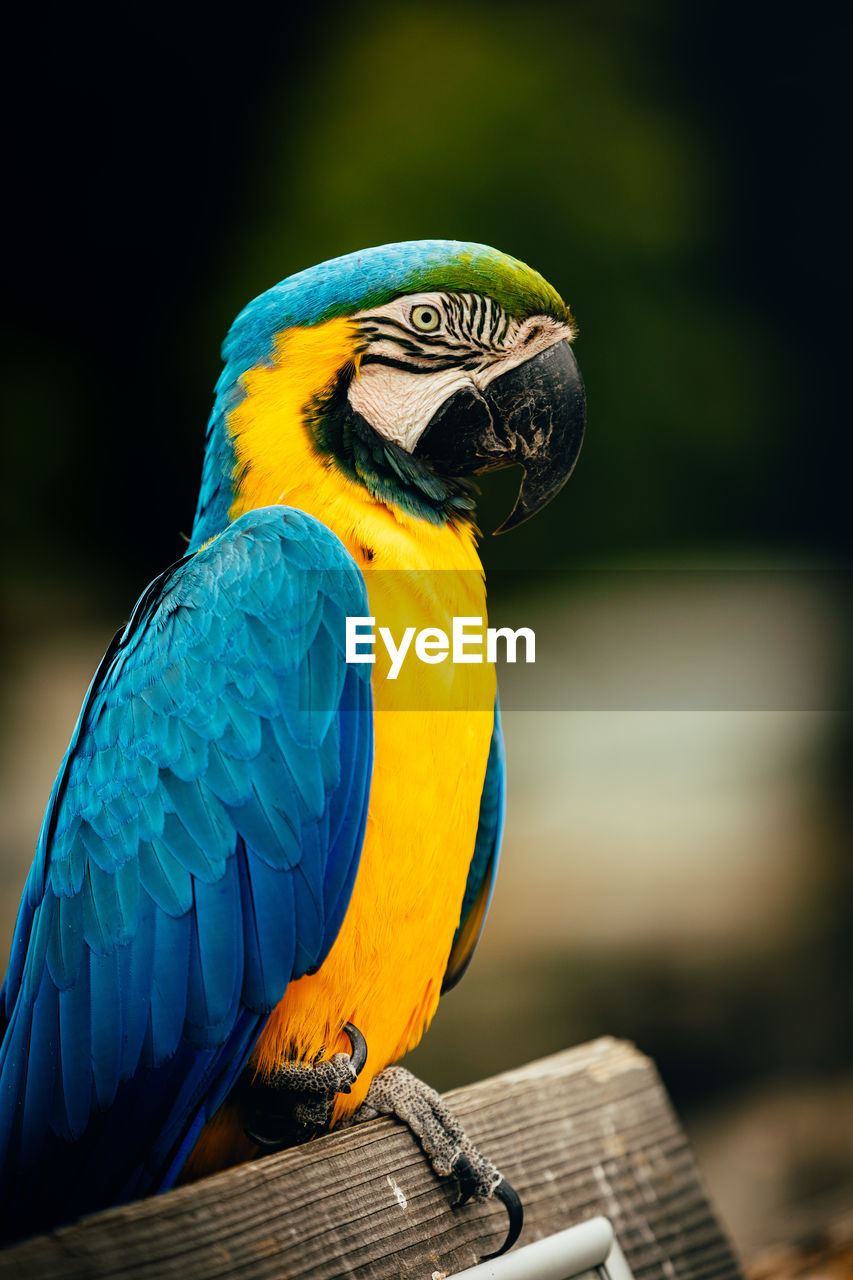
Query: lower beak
[(533, 415)]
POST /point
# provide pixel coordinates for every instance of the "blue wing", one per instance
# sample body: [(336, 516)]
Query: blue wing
[(198, 852), (484, 863)]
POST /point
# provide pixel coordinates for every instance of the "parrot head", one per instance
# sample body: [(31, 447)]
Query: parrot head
[(406, 370)]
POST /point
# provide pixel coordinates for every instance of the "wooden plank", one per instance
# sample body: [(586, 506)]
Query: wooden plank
[(585, 1132)]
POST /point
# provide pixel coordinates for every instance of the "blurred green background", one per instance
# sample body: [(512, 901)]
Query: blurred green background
[(675, 875)]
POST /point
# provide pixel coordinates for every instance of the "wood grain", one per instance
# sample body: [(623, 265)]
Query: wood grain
[(588, 1131)]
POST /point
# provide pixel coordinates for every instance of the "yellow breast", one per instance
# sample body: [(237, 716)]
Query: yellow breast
[(432, 729)]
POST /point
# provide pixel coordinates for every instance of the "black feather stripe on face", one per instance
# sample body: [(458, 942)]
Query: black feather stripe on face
[(388, 472), (472, 333)]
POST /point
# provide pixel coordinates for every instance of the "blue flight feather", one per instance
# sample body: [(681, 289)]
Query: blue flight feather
[(44, 1038), (75, 1035), (197, 854)]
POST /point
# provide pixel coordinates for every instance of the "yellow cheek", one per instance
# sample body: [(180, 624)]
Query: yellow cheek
[(275, 455)]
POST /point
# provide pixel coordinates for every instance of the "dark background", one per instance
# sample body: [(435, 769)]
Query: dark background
[(676, 171)]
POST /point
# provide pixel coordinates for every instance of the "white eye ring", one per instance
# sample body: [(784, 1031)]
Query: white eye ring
[(427, 319)]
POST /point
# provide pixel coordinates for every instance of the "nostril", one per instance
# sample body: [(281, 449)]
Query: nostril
[(535, 332)]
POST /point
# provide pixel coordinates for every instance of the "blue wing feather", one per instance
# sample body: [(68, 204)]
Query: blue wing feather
[(198, 852), (44, 1035), (75, 1012), (484, 862)]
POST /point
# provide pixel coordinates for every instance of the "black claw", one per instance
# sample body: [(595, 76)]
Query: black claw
[(265, 1143), (515, 1209), (264, 1104), (359, 1048), (463, 1172)]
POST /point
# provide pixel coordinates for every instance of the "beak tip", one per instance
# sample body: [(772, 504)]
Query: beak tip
[(512, 521), (532, 499)]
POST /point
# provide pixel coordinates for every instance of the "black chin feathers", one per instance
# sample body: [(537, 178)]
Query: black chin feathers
[(387, 471)]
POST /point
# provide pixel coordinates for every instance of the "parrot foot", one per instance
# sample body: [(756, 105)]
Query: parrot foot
[(395, 1091), (298, 1100)]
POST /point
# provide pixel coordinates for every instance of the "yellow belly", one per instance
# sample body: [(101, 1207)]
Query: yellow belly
[(432, 729)]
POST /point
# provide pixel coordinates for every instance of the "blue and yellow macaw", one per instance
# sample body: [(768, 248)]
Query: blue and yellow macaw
[(261, 863)]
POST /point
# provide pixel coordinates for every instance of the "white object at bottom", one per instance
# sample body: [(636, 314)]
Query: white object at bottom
[(588, 1250)]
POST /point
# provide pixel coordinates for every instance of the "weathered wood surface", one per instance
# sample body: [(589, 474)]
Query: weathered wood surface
[(588, 1131)]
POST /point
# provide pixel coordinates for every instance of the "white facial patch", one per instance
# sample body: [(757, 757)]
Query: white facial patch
[(407, 373), (399, 404)]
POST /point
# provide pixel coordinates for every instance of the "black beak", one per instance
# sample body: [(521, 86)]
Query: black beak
[(533, 415)]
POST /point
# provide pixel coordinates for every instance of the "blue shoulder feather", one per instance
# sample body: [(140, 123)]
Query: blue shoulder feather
[(198, 853)]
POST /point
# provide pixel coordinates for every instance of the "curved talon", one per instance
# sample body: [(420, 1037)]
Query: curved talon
[(515, 1209), (358, 1057), (463, 1172), (297, 1080), (267, 1144)]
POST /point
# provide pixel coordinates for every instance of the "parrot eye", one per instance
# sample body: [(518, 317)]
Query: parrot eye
[(425, 318)]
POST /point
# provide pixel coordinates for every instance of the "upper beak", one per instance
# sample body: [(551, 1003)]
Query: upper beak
[(534, 415)]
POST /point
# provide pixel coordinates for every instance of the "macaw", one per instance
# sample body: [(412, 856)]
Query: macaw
[(262, 863)]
